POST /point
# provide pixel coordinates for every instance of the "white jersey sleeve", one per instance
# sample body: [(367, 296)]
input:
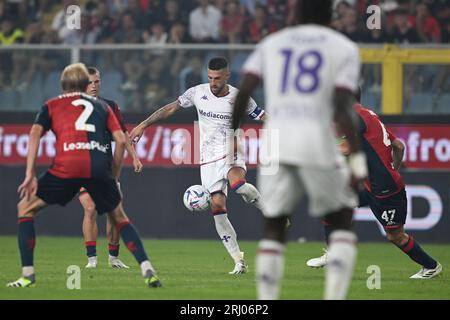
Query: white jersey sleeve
[(347, 72), (254, 62), (186, 100)]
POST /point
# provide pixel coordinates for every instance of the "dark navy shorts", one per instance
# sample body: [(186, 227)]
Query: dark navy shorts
[(390, 211), (103, 191)]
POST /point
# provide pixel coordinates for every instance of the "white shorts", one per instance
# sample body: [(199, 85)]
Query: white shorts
[(328, 190), (214, 175)]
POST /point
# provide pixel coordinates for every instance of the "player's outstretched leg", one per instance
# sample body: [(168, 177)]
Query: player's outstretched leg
[(227, 233), (134, 244), (27, 209), (236, 178), (270, 259), (90, 228), (406, 243), (341, 255), (113, 245)]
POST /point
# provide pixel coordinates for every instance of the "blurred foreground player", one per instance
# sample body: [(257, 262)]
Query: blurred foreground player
[(384, 191), (308, 85), (90, 228), (80, 123)]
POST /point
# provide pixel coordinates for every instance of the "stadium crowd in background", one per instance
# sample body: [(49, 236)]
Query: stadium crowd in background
[(145, 80), (212, 21)]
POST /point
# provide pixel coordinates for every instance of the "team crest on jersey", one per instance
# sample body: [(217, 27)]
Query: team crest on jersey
[(204, 97)]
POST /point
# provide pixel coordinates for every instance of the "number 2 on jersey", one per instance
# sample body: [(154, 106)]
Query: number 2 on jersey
[(81, 124), (310, 70)]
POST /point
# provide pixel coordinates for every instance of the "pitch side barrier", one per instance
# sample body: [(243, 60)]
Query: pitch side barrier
[(154, 198)]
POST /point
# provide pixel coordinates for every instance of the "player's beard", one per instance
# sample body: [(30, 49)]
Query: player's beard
[(217, 90)]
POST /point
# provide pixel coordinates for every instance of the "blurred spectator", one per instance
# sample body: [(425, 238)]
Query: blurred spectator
[(34, 33), (155, 9), (251, 5), (279, 10), (127, 33), (402, 30), (350, 25), (138, 14), (155, 82), (9, 34), (102, 21), (178, 34), (136, 103), (427, 27), (260, 26), (204, 22), (441, 11), (221, 4), (193, 75), (172, 15), (157, 36), (376, 36), (232, 24)]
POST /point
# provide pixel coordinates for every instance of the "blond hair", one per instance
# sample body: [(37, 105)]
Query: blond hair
[(75, 77)]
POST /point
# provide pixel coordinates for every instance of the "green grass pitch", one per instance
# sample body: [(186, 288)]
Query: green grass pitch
[(197, 270)]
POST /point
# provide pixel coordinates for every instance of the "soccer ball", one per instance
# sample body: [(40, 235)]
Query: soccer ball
[(196, 198)]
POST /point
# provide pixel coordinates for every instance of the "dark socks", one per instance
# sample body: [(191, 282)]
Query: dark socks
[(113, 250), (91, 248), (132, 241), (27, 241), (416, 253)]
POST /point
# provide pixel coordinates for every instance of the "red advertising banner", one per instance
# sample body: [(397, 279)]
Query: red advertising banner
[(427, 146)]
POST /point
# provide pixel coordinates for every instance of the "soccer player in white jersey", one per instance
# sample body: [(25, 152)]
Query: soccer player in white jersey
[(214, 102), (310, 73)]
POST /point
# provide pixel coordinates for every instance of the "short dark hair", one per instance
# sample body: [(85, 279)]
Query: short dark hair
[(93, 70), (217, 63), (314, 11)]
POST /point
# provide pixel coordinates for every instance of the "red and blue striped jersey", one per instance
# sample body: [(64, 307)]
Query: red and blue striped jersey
[(376, 141), (82, 125)]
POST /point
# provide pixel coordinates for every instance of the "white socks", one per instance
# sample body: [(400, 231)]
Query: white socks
[(341, 261), (27, 271), (145, 266), (228, 236), (269, 269)]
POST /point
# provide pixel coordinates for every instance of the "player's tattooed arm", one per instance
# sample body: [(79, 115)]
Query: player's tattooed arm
[(160, 114), (165, 112), (398, 150)]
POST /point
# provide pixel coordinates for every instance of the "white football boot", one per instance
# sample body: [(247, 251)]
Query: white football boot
[(425, 273), (92, 262), (240, 267), (115, 262), (318, 262)]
